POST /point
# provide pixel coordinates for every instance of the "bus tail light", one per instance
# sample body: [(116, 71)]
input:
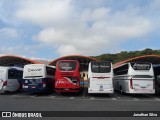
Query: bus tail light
[(23, 86), (44, 84), (5, 83), (131, 83)]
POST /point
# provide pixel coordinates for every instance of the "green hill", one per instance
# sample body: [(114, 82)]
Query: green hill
[(123, 55)]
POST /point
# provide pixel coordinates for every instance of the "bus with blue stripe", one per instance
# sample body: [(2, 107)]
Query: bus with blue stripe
[(38, 78)]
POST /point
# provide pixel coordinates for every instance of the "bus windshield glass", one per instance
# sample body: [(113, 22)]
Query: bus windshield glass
[(67, 66), (141, 66), (101, 67)]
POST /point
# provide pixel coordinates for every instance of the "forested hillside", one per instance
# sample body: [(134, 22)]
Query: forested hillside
[(123, 55)]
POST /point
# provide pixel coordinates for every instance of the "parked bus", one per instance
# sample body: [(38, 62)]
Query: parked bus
[(156, 69), (38, 78), (100, 77), (157, 83), (10, 79), (134, 78), (67, 76)]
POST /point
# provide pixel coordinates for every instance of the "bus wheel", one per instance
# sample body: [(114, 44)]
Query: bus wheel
[(20, 90), (121, 89), (157, 91)]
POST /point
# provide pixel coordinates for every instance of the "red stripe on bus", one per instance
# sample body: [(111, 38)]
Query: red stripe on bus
[(100, 77)]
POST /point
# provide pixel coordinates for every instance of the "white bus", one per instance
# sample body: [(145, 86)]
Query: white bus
[(135, 78), (100, 77), (10, 79), (38, 78)]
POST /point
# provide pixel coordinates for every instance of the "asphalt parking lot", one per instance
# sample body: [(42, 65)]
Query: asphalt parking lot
[(80, 102)]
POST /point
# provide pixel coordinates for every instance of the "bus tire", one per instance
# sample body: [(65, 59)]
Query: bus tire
[(157, 91), (120, 89)]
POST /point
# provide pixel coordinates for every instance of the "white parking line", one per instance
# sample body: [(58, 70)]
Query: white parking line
[(114, 98), (71, 97), (117, 96), (135, 99), (33, 96), (15, 96), (52, 97), (92, 98), (157, 99)]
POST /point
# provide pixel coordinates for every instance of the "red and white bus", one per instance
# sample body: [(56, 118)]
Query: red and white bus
[(67, 77)]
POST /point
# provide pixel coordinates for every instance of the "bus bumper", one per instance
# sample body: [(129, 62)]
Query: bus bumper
[(61, 90), (142, 91), (105, 91), (34, 90)]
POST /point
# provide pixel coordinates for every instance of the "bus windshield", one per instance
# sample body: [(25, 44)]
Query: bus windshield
[(67, 66), (101, 67)]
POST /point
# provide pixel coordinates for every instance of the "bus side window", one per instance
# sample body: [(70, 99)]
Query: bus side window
[(121, 70), (158, 80), (20, 74), (50, 71), (12, 74)]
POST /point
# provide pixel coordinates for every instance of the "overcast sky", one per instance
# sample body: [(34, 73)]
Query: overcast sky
[(52, 28)]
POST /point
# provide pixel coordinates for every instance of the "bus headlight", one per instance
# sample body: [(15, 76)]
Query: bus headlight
[(26, 81), (44, 85)]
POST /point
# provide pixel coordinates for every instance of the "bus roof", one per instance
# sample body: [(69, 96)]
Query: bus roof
[(40, 65), (102, 61), (69, 60), (129, 63), (11, 67)]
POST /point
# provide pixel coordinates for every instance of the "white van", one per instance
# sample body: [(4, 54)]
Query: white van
[(10, 79)]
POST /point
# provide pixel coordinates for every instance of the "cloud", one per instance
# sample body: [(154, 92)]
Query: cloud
[(92, 31), (8, 33), (90, 27), (19, 49), (154, 6), (44, 13), (68, 49), (6, 50)]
